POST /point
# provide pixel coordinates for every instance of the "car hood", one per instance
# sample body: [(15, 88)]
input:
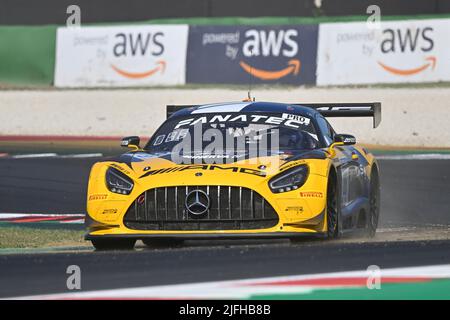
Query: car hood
[(144, 164)]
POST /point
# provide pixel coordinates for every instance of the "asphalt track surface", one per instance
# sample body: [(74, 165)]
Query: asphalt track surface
[(414, 193), (46, 273)]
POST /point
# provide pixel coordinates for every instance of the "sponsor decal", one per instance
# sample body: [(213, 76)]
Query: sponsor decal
[(109, 211), (311, 194), (408, 72), (213, 156), (292, 164), (296, 117), (138, 43), (349, 140), (268, 54), (295, 209), (121, 56), (398, 51), (116, 166), (288, 120), (211, 167), (94, 197), (161, 65), (404, 40), (293, 67)]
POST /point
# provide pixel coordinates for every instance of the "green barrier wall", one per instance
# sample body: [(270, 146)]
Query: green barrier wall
[(27, 55)]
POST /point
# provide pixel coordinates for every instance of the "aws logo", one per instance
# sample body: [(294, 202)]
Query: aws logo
[(271, 44), (408, 41), (139, 45)]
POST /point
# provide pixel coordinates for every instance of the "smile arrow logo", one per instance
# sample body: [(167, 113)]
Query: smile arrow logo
[(293, 67), (409, 72), (161, 66)]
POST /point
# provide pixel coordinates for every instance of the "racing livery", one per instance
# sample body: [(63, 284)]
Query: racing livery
[(237, 170)]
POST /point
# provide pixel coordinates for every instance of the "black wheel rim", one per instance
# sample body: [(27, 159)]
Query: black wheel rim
[(332, 211)]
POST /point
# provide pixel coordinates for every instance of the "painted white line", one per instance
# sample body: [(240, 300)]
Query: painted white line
[(82, 155), (34, 155), (418, 156), (21, 215), (78, 221), (68, 218), (396, 229), (244, 288), (55, 155)]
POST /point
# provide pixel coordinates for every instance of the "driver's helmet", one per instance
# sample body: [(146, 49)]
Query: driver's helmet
[(296, 139)]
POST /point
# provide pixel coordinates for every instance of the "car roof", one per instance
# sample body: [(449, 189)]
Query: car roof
[(247, 107)]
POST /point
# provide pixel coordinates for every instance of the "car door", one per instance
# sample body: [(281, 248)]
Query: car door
[(351, 170)]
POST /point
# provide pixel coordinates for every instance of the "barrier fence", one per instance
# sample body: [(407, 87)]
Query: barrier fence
[(338, 53)]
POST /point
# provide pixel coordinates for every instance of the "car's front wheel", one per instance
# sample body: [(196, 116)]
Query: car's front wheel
[(113, 244), (332, 208)]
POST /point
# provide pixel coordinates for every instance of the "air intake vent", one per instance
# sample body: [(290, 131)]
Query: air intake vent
[(229, 208)]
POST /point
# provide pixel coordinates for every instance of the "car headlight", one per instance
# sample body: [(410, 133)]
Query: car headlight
[(290, 179), (117, 182)]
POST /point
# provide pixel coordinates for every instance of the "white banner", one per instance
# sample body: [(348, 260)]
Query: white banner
[(397, 52), (121, 56)]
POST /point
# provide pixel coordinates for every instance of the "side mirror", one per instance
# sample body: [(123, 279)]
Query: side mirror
[(346, 139), (131, 142)]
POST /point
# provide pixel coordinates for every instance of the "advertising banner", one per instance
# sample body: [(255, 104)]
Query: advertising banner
[(396, 52), (121, 56), (252, 54)]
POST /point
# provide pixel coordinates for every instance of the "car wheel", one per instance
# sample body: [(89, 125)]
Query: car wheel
[(162, 243), (113, 244), (374, 213), (332, 209)]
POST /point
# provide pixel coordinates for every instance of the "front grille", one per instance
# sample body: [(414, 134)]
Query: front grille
[(231, 208)]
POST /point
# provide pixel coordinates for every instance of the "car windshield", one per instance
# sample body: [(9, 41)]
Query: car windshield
[(238, 132)]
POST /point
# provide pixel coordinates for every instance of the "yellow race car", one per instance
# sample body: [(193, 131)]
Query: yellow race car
[(237, 170)]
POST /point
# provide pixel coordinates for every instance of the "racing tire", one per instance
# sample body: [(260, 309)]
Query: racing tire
[(374, 202), (113, 244), (162, 243), (332, 213)]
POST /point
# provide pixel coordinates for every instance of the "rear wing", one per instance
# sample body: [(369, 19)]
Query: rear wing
[(367, 109)]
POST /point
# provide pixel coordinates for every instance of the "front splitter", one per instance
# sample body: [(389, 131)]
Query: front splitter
[(201, 236)]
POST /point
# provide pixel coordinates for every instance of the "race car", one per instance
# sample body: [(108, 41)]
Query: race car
[(237, 170)]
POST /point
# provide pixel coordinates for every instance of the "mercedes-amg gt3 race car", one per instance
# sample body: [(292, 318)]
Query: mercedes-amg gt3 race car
[(237, 170)]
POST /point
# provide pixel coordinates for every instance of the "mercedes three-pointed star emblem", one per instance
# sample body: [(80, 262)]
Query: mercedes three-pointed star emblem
[(197, 202)]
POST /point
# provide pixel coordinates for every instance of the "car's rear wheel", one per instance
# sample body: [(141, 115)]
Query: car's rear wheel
[(162, 243), (374, 212), (113, 244), (332, 208)]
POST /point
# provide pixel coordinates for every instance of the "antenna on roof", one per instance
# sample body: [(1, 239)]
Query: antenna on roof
[(249, 93)]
